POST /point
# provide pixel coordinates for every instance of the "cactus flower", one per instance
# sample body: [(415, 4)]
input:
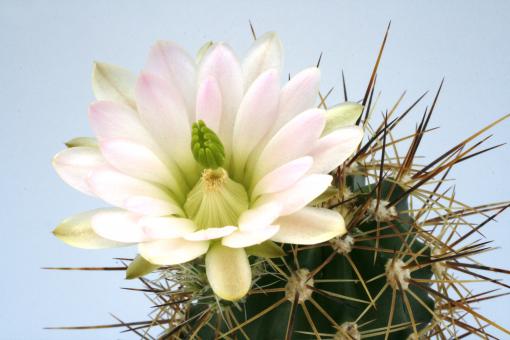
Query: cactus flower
[(207, 156)]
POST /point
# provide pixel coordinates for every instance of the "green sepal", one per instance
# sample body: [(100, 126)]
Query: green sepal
[(81, 141), (267, 249), (345, 114), (139, 267), (328, 194), (206, 146)]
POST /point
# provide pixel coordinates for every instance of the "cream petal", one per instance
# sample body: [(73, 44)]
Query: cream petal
[(166, 227), (228, 272), (246, 238), (283, 177), (294, 140), (209, 103), (342, 115), (210, 233), (300, 194), (119, 225), (256, 116), (128, 192), (138, 161), (152, 206), (298, 95), (169, 60), (172, 251), (75, 164), (260, 216), (333, 149), (310, 226), (265, 53), (113, 83), (163, 112), (77, 232), (220, 63)]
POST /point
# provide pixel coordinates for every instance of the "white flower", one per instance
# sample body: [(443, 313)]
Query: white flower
[(276, 160)]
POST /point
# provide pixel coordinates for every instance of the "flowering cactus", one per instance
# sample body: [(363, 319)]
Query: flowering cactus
[(261, 212)]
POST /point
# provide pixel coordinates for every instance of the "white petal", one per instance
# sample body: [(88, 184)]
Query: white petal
[(166, 227), (77, 231), (265, 53), (333, 149), (170, 61), (256, 116), (246, 238), (294, 140), (259, 216), (210, 233), (172, 251), (130, 193), (138, 161), (310, 226), (300, 194), (118, 225), (113, 83), (298, 95), (221, 64), (228, 272), (209, 103), (283, 177), (163, 112), (74, 165)]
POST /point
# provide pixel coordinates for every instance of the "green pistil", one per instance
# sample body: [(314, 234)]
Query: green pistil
[(206, 147)]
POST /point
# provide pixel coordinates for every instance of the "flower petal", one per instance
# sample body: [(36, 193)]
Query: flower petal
[(310, 226), (300, 194), (209, 103), (256, 116), (333, 149), (118, 225), (283, 177), (221, 64), (131, 193), (246, 238), (260, 216), (113, 83), (228, 272), (163, 112), (342, 115), (298, 95), (294, 140), (170, 61), (172, 251), (210, 233), (265, 53), (74, 165), (166, 227), (77, 231)]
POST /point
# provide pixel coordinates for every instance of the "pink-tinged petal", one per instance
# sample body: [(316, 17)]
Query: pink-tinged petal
[(265, 53), (294, 140), (298, 95), (246, 238), (333, 149), (113, 83), (74, 165), (260, 216), (138, 161), (221, 64), (119, 225), (256, 116), (77, 231), (169, 60), (310, 226), (210, 233), (130, 193), (163, 112), (172, 251), (300, 194), (209, 103), (283, 177), (166, 227)]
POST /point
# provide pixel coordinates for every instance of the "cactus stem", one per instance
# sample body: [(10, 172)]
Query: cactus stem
[(348, 331), (397, 275), (380, 211), (299, 283)]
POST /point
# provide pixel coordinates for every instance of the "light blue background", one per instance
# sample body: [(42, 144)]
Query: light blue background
[(46, 54)]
